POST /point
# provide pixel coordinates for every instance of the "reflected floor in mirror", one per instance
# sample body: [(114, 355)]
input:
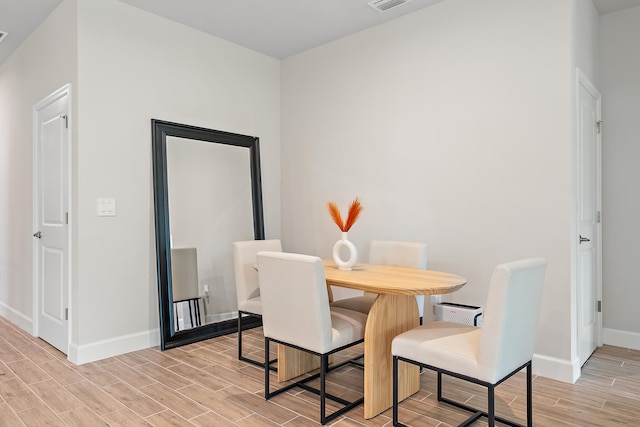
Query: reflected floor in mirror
[(204, 384)]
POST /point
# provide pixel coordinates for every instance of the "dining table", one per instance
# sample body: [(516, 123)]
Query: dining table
[(394, 311)]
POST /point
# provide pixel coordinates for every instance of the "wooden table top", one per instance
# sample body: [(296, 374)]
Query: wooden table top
[(385, 279)]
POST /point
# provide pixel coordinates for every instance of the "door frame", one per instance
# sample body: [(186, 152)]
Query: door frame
[(583, 80), (64, 91)]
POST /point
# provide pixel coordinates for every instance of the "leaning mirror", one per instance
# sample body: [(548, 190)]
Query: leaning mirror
[(207, 194)]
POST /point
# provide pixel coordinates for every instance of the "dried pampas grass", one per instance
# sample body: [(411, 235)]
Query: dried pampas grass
[(352, 216)]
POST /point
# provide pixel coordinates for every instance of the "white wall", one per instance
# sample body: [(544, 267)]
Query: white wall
[(134, 66), (453, 126), (620, 86), (585, 39), (42, 64)]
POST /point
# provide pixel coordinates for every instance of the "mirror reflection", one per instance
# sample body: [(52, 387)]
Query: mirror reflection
[(210, 206), (207, 194)]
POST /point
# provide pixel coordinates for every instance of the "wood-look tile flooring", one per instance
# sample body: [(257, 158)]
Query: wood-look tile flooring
[(204, 384)]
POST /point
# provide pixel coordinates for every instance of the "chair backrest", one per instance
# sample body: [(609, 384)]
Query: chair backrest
[(244, 260), (184, 273), (399, 254), (510, 317), (295, 304)]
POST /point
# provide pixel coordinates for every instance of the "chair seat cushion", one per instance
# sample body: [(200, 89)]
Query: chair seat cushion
[(251, 305), (445, 345), (347, 326), (360, 304)]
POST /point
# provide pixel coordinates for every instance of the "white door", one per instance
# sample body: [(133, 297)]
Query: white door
[(588, 266), (51, 207)]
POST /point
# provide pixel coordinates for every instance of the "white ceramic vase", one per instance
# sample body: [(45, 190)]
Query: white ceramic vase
[(353, 253)]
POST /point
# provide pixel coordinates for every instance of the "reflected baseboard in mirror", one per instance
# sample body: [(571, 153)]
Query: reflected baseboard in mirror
[(207, 194)]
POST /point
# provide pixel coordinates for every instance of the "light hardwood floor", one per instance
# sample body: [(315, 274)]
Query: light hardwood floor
[(204, 384)]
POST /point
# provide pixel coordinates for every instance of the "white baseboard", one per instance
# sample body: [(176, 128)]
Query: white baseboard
[(566, 371), (556, 369), (113, 347), (620, 338), (220, 317), (19, 319)]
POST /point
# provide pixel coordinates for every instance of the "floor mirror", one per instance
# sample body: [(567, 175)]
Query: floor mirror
[(207, 194)]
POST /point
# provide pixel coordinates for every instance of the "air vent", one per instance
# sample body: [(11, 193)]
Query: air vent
[(3, 35), (384, 5)]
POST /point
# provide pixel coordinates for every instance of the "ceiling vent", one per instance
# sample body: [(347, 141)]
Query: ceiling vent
[(384, 5), (3, 35)]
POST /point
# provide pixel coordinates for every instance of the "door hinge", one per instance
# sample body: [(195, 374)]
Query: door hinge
[(599, 306), (599, 126), (66, 218), (598, 217), (66, 121), (66, 314)]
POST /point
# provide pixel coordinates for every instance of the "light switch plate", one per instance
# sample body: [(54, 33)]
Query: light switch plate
[(106, 207)]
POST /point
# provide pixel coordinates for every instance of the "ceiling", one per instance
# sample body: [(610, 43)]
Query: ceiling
[(608, 6), (277, 28)]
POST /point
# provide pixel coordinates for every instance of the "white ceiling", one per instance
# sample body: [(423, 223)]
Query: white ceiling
[(19, 18), (608, 6), (278, 28)]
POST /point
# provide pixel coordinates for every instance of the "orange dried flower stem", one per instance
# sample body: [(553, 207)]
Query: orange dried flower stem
[(335, 214), (352, 216)]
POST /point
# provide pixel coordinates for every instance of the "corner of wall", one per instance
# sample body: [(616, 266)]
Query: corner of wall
[(556, 369)]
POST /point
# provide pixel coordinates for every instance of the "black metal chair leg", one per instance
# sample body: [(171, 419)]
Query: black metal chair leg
[(491, 406), (395, 391), (490, 415), (303, 383), (323, 379), (529, 397), (266, 368), (177, 317), (190, 314), (239, 335), (246, 359), (198, 319)]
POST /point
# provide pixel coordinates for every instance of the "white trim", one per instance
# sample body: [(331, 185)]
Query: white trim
[(113, 347), (220, 317), (556, 369), (19, 319), (620, 338)]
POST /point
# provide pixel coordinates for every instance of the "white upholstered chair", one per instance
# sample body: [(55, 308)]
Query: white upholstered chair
[(385, 252), (488, 355), (296, 313), (184, 285), (247, 286)]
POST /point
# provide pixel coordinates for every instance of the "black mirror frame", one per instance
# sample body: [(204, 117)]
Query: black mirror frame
[(160, 129)]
